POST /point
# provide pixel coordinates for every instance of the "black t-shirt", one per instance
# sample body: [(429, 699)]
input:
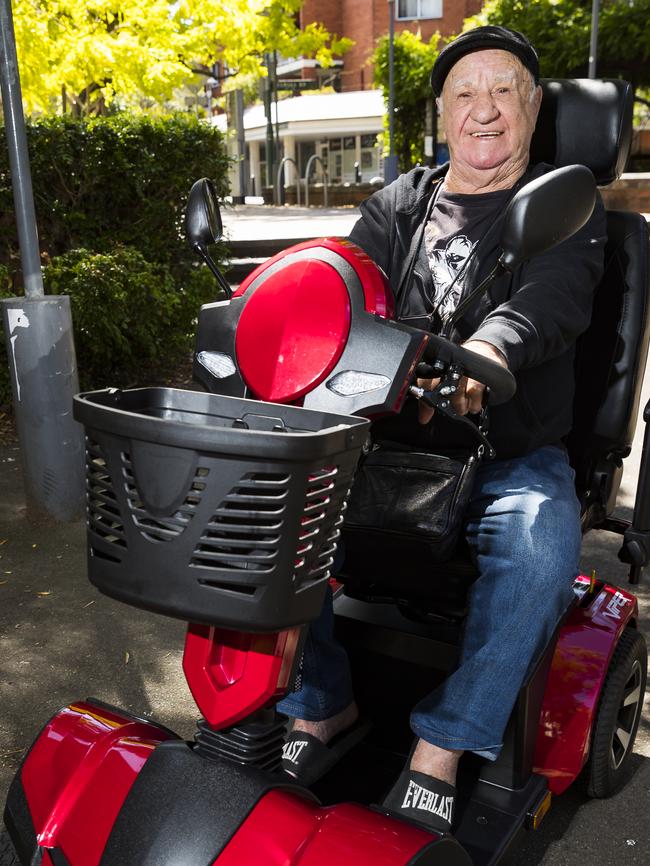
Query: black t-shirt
[(457, 224)]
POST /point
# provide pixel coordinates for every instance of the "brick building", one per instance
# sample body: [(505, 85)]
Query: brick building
[(365, 21), (339, 131)]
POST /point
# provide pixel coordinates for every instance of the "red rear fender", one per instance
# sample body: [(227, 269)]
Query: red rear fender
[(584, 649), (76, 776)]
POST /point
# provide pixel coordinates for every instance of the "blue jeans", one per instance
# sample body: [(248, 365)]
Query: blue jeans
[(523, 526)]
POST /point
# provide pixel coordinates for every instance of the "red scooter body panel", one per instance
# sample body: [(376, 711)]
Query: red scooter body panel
[(378, 296), (292, 332), (285, 830), (231, 674), (584, 649), (78, 773)]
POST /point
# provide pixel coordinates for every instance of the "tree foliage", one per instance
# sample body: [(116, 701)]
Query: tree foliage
[(129, 49), (560, 29), (414, 60)]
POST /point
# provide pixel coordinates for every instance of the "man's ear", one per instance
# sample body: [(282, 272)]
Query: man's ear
[(439, 105), (537, 100)]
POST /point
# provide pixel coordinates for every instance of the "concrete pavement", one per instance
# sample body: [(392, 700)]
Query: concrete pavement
[(262, 222)]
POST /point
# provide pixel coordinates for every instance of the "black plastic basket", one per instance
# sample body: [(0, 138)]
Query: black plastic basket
[(215, 509)]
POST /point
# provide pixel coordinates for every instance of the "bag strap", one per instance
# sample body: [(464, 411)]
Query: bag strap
[(414, 250)]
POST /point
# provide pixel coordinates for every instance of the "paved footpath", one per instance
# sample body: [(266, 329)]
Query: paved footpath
[(60, 640), (252, 222)]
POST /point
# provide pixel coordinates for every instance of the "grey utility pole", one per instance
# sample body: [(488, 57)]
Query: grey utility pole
[(38, 334), (391, 170), (593, 43)]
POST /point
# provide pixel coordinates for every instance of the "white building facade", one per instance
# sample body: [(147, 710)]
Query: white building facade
[(337, 131)]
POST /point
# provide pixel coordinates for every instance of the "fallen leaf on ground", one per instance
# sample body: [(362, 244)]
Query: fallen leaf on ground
[(126, 658), (47, 592), (89, 603), (3, 541)]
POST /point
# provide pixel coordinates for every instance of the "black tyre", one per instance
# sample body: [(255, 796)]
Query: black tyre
[(617, 719), (7, 851)]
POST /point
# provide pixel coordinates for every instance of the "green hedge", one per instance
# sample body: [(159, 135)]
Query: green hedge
[(129, 315), (110, 196)]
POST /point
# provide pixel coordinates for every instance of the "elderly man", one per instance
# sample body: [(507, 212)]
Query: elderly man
[(523, 523)]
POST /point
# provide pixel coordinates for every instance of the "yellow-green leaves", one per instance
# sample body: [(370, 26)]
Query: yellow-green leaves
[(139, 50)]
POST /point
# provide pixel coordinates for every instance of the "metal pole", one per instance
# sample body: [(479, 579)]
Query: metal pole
[(277, 148), (12, 107), (241, 143), (391, 170), (593, 45), (270, 156), (38, 334)]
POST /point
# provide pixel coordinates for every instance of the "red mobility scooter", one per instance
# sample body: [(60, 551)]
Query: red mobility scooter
[(225, 509)]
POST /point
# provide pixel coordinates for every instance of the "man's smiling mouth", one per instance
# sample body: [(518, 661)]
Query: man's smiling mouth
[(485, 134)]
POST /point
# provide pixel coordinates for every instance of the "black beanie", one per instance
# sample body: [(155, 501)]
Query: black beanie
[(480, 39)]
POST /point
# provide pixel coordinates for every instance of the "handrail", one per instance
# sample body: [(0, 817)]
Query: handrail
[(309, 164), (277, 182)]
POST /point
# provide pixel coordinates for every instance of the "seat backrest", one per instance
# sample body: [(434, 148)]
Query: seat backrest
[(585, 121), (610, 363), (590, 122)]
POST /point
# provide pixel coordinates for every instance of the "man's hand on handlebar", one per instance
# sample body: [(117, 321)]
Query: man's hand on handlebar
[(470, 393)]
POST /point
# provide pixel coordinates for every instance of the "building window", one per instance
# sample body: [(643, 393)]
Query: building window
[(419, 9)]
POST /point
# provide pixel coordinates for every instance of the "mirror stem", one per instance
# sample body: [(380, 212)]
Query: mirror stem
[(215, 270)]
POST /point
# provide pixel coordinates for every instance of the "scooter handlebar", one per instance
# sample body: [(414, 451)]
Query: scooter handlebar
[(498, 379)]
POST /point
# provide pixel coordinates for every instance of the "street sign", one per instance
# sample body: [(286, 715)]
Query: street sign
[(297, 84)]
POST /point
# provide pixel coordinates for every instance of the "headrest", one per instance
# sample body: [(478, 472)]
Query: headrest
[(585, 121)]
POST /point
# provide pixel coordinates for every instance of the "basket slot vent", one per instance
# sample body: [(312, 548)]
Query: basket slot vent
[(314, 490), (310, 533), (225, 559), (260, 542), (242, 529), (325, 557), (235, 511), (244, 532), (318, 504), (324, 474), (239, 588), (103, 511), (162, 528), (321, 518), (265, 479)]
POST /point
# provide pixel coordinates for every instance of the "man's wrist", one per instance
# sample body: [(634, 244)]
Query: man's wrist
[(487, 350)]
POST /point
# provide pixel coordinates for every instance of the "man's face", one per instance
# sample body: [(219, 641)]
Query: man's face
[(488, 114)]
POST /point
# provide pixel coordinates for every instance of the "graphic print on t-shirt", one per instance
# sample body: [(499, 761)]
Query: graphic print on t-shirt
[(446, 264)]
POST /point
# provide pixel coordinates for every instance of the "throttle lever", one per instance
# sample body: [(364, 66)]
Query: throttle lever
[(439, 399)]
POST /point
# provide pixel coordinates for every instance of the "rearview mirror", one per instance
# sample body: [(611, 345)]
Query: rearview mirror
[(546, 212), (203, 217), (204, 226)]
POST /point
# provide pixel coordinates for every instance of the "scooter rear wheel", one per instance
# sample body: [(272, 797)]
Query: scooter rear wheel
[(619, 711), (7, 851)]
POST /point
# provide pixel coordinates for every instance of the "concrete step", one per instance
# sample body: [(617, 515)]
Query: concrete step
[(238, 269), (263, 247), (246, 255)]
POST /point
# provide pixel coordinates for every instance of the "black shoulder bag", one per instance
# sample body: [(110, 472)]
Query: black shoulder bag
[(408, 502)]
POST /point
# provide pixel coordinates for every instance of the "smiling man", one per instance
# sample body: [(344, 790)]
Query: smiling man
[(523, 522)]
